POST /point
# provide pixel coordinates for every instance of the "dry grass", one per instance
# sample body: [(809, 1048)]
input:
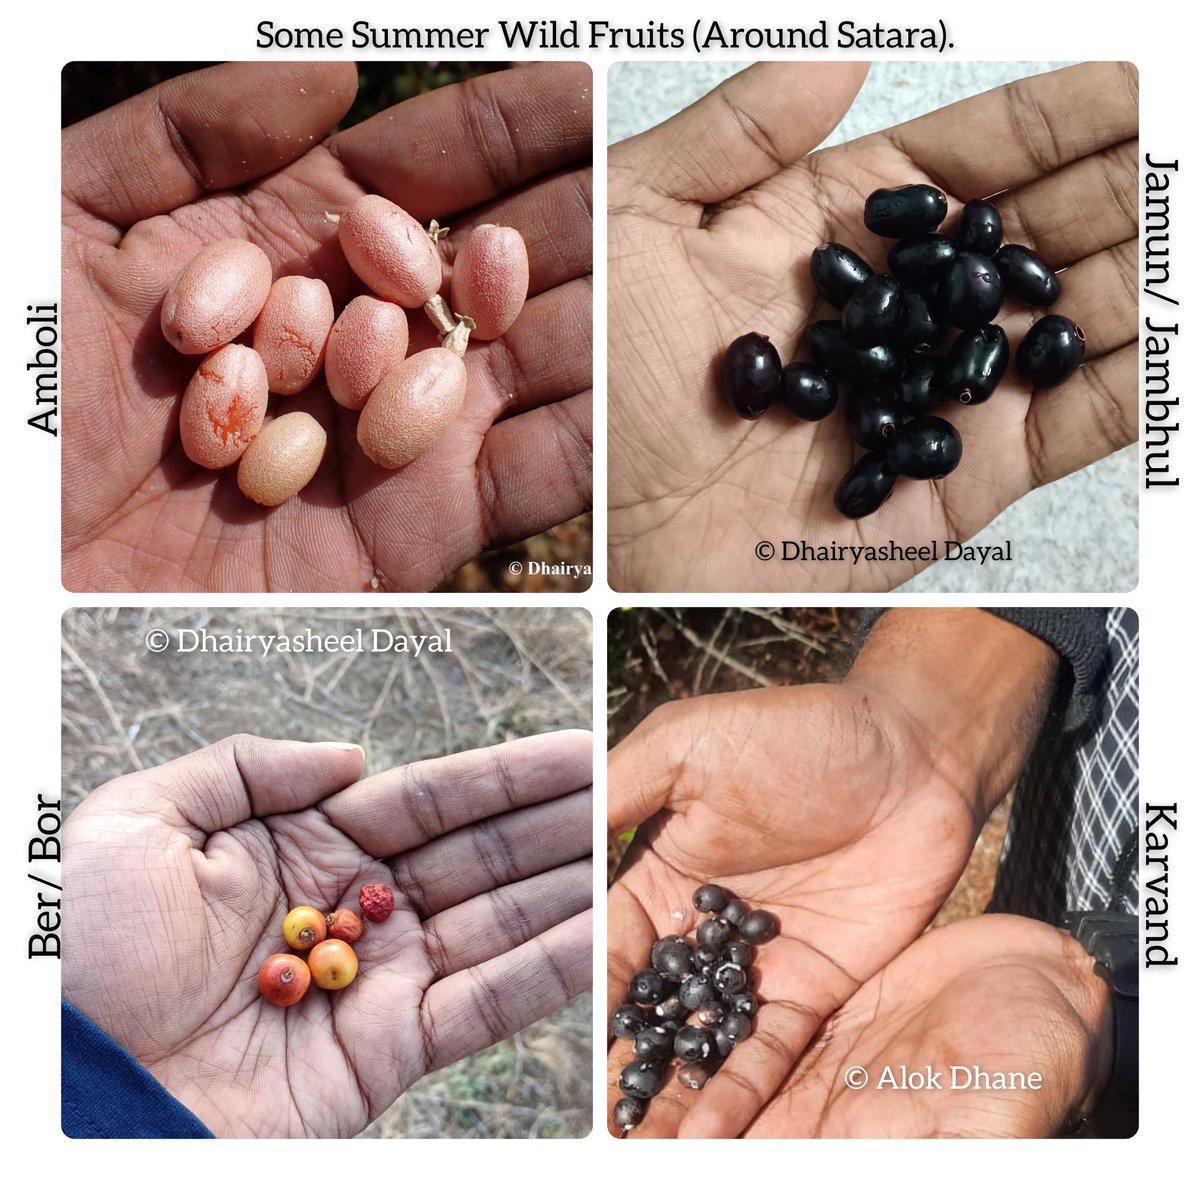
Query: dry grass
[(514, 672)]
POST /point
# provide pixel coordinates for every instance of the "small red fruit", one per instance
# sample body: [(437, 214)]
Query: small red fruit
[(376, 901), (283, 979), (333, 965), (303, 927), (344, 924)]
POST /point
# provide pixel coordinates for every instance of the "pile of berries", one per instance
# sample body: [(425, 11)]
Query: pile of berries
[(709, 980), (328, 940), (885, 346)]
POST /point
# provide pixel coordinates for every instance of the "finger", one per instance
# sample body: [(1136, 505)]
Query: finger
[(485, 1004), (1086, 207), (462, 145), (500, 920), (745, 130), (489, 854), (1100, 296), (1094, 413), (631, 936), (415, 804), (1024, 130), (202, 132), (643, 769), (233, 780)]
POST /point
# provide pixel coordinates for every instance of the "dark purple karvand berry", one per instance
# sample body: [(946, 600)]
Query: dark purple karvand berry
[(808, 391), (745, 1004), (1051, 352), (1026, 277), (736, 1027), (750, 375), (714, 933), (826, 342), (694, 1044), (970, 292), (711, 1015), (648, 988), (710, 898), (729, 979), (642, 1080), (738, 952), (704, 958), (903, 212), (873, 416), (837, 271), (627, 1021), (873, 312), (695, 992), (974, 366), (693, 1075), (760, 926), (734, 911), (672, 957), (671, 1009), (628, 1113), (654, 1043), (918, 331), (723, 1044), (862, 490), (926, 448), (919, 262), (980, 230), (916, 390)]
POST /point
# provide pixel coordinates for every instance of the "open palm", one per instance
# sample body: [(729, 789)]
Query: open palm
[(147, 183), (713, 217), (817, 803), (179, 878)]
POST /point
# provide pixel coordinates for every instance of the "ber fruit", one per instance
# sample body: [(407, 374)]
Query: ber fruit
[(345, 925), (283, 979), (376, 901), (333, 964), (303, 927)]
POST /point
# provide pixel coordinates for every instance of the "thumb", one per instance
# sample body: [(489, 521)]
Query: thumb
[(644, 769)]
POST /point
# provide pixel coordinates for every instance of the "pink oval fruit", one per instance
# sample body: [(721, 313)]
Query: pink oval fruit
[(390, 252), (282, 459), (367, 341), (292, 330), (490, 280), (223, 407), (216, 296), (412, 407)]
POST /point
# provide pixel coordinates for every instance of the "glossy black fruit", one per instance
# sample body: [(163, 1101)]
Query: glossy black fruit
[(723, 1044), (730, 979), (808, 392), (760, 926), (627, 1021), (704, 958), (750, 375), (872, 416), (735, 910), (648, 988), (714, 933), (694, 1044), (711, 1015), (654, 1043), (739, 953), (695, 992), (693, 1075), (920, 261), (980, 230), (976, 363), (710, 898), (1026, 277), (642, 1080), (736, 1027), (926, 448), (970, 292), (670, 1011), (873, 312), (745, 1004), (1051, 352), (916, 391), (863, 489), (903, 212), (826, 343), (918, 332), (672, 957), (628, 1113), (837, 271)]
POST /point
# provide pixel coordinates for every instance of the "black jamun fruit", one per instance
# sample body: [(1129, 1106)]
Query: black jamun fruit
[(826, 342), (975, 365), (919, 262), (872, 314), (750, 375), (926, 448), (808, 392), (919, 332), (837, 271), (916, 391), (862, 490), (1051, 352), (970, 292), (873, 416), (980, 229), (1026, 277), (903, 212)]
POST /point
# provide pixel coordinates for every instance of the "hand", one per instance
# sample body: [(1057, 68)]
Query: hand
[(179, 878), (147, 182), (847, 810), (997, 993), (713, 217)]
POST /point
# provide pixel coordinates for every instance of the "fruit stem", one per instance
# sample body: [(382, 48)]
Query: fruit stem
[(438, 311)]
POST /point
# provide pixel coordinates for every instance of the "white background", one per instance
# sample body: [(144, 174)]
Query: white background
[(40, 38)]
